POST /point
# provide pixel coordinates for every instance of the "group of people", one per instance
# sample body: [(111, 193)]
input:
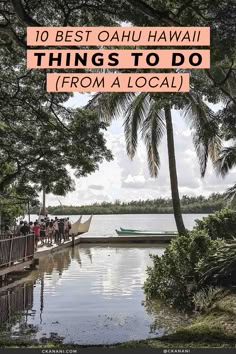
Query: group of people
[(45, 230)]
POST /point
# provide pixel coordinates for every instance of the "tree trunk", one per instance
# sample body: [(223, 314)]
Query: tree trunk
[(173, 173), (44, 203)]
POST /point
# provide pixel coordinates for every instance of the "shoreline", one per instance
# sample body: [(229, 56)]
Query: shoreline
[(213, 329), (141, 213)]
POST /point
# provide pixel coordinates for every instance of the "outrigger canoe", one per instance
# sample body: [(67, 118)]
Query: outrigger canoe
[(132, 232), (79, 228)]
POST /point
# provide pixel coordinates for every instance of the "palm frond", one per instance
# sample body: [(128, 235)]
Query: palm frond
[(226, 160), (230, 195), (111, 105), (220, 268), (135, 115), (205, 130), (152, 131)]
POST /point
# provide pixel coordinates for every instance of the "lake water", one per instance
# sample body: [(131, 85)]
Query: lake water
[(105, 225), (92, 294)]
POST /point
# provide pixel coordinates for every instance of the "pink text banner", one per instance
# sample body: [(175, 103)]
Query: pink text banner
[(118, 59), (117, 82), (118, 36)]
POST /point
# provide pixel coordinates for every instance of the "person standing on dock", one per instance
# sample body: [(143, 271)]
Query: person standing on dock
[(31, 225), (66, 229), (25, 229), (8, 231), (42, 233), (36, 230), (56, 228), (50, 233), (61, 230), (69, 223), (18, 227)]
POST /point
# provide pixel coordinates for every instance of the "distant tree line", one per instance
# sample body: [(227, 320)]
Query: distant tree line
[(199, 204)]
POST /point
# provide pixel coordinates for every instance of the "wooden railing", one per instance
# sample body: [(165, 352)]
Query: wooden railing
[(16, 249)]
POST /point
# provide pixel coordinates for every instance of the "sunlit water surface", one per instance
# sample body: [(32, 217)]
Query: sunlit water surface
[(93, 294)]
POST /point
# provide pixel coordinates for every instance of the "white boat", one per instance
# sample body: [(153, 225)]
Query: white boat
[(75, 227), (79, 228)]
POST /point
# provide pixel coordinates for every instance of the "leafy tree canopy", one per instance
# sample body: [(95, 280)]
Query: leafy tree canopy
[(35, 124), (219, 15), (39, 137), (40, 154)]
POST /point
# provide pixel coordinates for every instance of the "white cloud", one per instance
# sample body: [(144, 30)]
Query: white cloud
[(96, 187), (126, 180)]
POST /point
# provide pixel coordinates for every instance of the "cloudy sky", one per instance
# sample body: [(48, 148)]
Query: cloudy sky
[(127, 180)]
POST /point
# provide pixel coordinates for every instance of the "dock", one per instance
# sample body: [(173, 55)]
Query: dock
[(160, 239), (45, 250), (17, 253), (127, 239)]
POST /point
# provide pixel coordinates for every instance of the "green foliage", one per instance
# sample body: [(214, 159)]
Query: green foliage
[(192, 204), (39, 136), (17, 15), (16, 202), (81, 146), (42, 154), (194, 268), (9, 210), (220, 268), (227, 158), (204, 298), (174, 276), (221, 225)]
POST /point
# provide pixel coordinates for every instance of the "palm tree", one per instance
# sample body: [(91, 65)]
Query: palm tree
[(150, 115), (225, 162), (227, 157)]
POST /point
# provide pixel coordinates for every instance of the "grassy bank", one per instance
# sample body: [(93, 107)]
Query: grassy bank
[(215, 328)]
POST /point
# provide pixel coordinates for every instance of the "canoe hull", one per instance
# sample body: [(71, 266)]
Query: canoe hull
[(131, 231), (143, 233)]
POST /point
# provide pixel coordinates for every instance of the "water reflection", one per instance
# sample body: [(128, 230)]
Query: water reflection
[(15, 301), (92, 295), (165, 318)]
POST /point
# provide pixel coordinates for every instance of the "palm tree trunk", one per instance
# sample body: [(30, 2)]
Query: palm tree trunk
[(173, 173)]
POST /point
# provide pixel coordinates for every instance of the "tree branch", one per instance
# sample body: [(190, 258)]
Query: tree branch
[(22, 14), (218, 84), (152, 13), (7, 30)]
